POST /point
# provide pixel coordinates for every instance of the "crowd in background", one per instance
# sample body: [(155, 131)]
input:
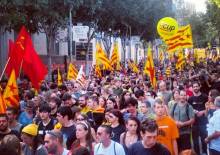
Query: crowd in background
[(119, 113)]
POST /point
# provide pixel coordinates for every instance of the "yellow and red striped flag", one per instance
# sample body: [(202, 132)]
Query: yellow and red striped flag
[(10, 96), (180, 61), (72, 72), (115, 57), (161, 55), (149, 68), (182, 39), (133, 67), (101, 58), (59, 78), (2, 105), (98, 72)]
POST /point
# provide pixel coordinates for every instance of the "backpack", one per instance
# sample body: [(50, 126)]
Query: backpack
[(187, 110)]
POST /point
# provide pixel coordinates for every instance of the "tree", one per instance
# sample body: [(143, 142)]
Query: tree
[(47, 16), (213, 16)]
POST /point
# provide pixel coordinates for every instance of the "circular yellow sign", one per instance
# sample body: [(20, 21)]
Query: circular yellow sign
[(167, 27)]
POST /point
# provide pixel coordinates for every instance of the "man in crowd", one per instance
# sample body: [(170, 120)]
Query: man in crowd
[(68, 129), (164, 93), (167, 128), (106, 146), (47, 123), (53, 142), (12, 114), (4, 128), (54, 103), (198, 101), (83, 104), (148, 145), (213, 129), (183, 114)]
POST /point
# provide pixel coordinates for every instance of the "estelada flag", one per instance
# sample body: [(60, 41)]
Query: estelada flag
[(149, 68), (2, 105), (59, 78), (32, 64), (182, 39), (10, 96), (72, 72)]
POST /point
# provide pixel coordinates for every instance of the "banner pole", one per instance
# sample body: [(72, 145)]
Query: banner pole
[(5, 68)]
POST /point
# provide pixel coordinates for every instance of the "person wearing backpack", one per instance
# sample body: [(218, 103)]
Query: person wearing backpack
[(184, 116)]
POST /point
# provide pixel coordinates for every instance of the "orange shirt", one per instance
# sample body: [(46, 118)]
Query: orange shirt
[(167, 132)]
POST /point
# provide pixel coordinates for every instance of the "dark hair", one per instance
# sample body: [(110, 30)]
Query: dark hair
[(89, 138), (196, 82), (131, 118), (94, 99), (12, 143), (4, 115), (103, 99), (122, 103), (81, 151), (65, 111), (66, 96), (13, 110), (63, 87), (44, 108), (57, 100), (53, 86), (131, 101), (118, 114), (214, 93), (108, 129), (139, 93), (29, 94), (149, 125), (114, 102)]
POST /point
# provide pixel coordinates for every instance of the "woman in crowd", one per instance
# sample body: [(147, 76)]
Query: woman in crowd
[(117, 124), (124, 96), (84, 137), (10, 144), (102, 101), (210, 107), (111, 104), (132, 134), (176, 95), (32, 144), (84, 118)]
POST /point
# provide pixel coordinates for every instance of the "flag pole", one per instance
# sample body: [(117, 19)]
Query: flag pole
[(20, 68), (5, 68)]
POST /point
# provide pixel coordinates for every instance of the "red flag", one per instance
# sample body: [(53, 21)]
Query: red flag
[(15, 60), (32, 64)]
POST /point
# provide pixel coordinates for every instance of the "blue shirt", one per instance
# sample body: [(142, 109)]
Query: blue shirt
[(24, 119), (212, 126)]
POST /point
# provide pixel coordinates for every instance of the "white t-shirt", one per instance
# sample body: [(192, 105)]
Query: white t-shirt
[(114, 149), (65, 151)]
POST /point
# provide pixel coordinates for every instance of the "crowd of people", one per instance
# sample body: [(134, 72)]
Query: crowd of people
[(118, 114)]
